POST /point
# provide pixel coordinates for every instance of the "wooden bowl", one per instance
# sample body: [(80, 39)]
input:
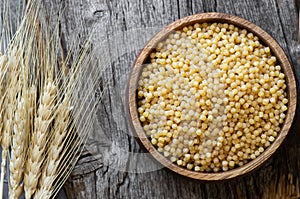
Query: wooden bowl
[(143, 58)]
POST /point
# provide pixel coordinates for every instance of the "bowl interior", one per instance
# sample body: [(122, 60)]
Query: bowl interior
[(143, 58)]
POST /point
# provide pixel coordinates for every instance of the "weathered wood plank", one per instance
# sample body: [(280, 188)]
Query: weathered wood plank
[(125, 26)]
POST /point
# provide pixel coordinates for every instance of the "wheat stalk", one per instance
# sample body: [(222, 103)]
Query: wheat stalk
[(25, 105)]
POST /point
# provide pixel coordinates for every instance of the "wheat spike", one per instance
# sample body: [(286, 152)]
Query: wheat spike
[(9, 104), (21, 131), (39, 139), (50, 168), (19, 147)]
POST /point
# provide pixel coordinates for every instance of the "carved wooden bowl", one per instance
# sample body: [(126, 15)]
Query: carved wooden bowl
[(143, 57)]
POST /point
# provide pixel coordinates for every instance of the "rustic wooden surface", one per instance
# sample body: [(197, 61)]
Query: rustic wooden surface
[(116, 168)]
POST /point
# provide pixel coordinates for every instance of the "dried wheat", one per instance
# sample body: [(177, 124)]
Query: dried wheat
[(37, 125), (56, 145), (39, 138), (19, 147), (9, 104)]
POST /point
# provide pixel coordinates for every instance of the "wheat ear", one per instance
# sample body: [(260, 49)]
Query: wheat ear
[(84, 108), (39, 138), (17, 149), (56, 145), (22, 126), (8, 122), (19, 146)]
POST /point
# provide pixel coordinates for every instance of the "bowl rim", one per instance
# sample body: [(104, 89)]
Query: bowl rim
[(131, 95)]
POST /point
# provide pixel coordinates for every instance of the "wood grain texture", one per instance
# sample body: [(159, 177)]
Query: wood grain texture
[(122, 28)]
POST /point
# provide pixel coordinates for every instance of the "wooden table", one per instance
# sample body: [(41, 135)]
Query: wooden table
[(113, 165)]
